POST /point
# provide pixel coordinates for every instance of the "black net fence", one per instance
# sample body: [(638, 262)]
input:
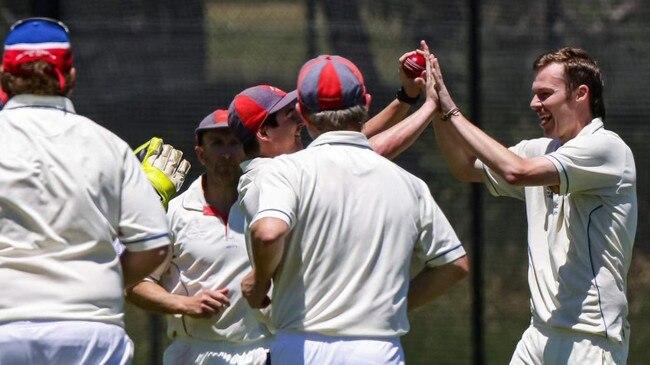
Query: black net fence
[(158, 67)]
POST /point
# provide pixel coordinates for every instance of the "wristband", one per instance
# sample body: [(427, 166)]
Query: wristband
[(454, 111), (403, 97)]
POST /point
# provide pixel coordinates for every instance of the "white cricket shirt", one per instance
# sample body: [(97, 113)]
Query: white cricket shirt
[(248, 195), (68, 188), (356, 220), (209, 252), (580, 240)]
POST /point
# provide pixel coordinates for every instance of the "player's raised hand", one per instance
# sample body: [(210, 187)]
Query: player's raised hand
[(164, 166), (206, 304), (445, 101), (427, 79), (410, 84)]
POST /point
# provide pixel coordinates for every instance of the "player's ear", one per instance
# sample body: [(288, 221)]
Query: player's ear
[(368, 100), (71, 82), (200, 153), (582, 92), (303, 114), (73, 75), (263, 133)]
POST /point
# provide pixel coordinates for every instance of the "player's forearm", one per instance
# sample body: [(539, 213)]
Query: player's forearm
[(392, 142), (492, 153), (137, 265), (430, 283), (153, 297), (457, 154), (387, 118)]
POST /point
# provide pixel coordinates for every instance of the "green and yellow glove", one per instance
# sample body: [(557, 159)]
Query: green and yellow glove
[(164, 166)]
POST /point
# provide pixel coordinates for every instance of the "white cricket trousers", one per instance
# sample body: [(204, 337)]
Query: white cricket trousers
[(190, 351), (64, 343), (298, 348), (543, 345)]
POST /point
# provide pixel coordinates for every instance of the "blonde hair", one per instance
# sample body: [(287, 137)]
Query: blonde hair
[(343, 119)]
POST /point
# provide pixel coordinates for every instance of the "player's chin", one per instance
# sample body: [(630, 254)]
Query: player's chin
[(227, 170)]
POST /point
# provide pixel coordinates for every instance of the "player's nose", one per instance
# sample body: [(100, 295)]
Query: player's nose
[(535, 103)]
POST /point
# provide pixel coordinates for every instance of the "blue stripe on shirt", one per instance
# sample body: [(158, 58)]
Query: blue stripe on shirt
[(146, 238), (593, 270), (460, 245)]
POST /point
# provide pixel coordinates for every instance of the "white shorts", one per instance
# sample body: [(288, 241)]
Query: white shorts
[(542, 345), (184, 350), (64, 343), (298, 348)]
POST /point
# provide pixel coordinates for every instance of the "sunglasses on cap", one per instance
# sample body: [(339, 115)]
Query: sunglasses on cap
[(43, 19)]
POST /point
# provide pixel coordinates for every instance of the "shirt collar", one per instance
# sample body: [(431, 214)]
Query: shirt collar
[(342, 137), (194, 199), (252, 164), (40, 101), (592, 127)]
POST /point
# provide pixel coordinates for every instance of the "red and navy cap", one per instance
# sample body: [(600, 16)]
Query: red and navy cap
[(251, 107), (36, 39), (330, 83), (214, 120)]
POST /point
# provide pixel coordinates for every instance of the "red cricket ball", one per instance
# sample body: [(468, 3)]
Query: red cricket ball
[(414, 64)]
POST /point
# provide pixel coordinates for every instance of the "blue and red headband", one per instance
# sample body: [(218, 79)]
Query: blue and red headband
[(38, 39)]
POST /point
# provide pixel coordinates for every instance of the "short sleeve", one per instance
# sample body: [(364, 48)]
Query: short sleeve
[(592, 164), (142, 224), (497, 185), (438, 243), (277, 192)]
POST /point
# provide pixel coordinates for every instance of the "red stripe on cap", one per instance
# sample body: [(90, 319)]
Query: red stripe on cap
[(220, 116), (330, 95), (251, 114), (275, 90)]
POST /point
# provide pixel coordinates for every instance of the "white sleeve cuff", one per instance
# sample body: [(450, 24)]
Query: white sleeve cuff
[(272, 214)]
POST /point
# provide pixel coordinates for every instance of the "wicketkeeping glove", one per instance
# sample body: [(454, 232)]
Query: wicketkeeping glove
[(164, 166)]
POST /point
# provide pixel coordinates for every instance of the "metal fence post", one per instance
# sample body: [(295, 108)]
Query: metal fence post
[(477, 195)]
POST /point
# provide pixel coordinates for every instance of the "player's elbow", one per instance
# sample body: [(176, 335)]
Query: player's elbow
[(460, 269), (517, 171), (463, 175), (515, 175), (267, 231), (464, 169)]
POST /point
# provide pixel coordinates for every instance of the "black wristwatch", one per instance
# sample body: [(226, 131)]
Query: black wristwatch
[(403, 97)]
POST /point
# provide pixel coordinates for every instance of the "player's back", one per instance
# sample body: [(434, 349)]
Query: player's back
[(355, 224), (60, 186)]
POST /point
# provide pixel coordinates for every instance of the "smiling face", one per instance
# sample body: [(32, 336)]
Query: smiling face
[(557, 107), (220, 154), (285, 137)]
